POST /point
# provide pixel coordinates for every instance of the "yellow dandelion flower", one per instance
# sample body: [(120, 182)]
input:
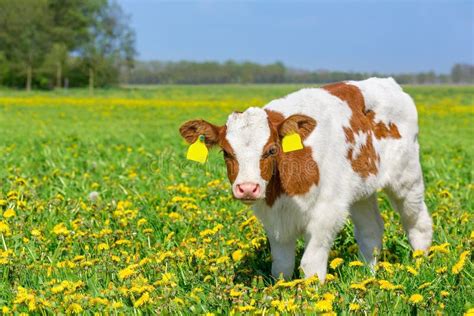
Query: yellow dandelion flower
[(336, 263), (4, 228), (442, 270), (35, 232), (117, 305), (412, 270), (9, 213), (235, 293), (354, 307), (237, 255), (126, 273), (424, 285), (323, 306), (418, 253), (60, 229), (469, 312), (358, 286), (443, 248), (74, 308), (356, 263), (145, 298), (103, 246), (444, 293), (460, 264), (415, 299)]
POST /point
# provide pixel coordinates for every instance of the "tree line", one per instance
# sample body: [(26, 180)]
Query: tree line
[(56, 43), (186, 72)]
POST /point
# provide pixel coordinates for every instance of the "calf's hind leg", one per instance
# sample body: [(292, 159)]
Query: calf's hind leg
[(368, 228), (408, 201)]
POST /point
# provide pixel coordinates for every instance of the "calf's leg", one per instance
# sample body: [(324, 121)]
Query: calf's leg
[(325, 222), (283, 257), (368, 228), (407, 197)]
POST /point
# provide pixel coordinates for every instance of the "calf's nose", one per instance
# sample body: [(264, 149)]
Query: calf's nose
[(247, 190)]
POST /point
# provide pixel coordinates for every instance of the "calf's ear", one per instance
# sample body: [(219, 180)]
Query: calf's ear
[(297, 123), (191, 130)]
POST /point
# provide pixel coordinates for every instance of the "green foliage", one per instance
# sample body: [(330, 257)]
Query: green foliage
[(99, 211), (44, 42)]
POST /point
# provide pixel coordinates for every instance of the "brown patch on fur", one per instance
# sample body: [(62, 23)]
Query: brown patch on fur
[(362, 121), (192, 129), (231, 162), (290, 173)]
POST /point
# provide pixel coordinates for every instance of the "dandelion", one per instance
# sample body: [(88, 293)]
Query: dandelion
[(127, 272), (336, 263), (237, 255), (444, 293), (9, 213), (460, 264), (356, 263), (358, 286), (323, 306), (354, 307), (93, 196), (60, 229), (412, 270), (415, 299), (145, 298)]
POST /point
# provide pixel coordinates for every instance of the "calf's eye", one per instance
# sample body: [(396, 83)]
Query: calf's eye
[(271, 152)]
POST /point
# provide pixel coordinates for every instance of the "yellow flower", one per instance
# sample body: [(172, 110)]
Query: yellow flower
[(9, 213), (354, 307), (74, 308), (60, 229), (412, 270), (127, 272), (444, 293), (441, 270), (336, 263), (469, 312), (418, 253), (443, 248), (35, 232), (386, 285), (237, 255), (460, 264), (356, 263), (116, 305), (102, 246), (4, 228), (324, 306), (145, 298), (415, 299), (358, 286), (235, 293)]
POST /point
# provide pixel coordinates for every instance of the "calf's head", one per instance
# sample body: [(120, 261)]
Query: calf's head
[(251, 145)]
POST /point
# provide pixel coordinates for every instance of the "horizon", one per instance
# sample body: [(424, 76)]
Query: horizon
[(439, 34)]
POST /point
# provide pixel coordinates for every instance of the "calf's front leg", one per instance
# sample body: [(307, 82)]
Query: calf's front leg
[(326, 221), (283, 257)]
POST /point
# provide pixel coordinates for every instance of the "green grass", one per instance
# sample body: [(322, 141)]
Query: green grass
[(169, 227)]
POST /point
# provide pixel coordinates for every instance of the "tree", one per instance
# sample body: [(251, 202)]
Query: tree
[(24, 34)]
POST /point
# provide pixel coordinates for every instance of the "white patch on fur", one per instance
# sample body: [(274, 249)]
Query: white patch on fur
[(360, 140), (247, 133)]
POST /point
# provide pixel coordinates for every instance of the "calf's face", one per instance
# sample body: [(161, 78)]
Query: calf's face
[(251, 145)]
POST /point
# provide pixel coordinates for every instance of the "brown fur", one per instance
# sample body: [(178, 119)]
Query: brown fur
[(362, 121), (294, 172)]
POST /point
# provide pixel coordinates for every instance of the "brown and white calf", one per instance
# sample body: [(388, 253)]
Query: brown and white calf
[(358, 137)]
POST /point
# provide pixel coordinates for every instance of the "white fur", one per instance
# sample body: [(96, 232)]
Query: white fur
[(319, 214)]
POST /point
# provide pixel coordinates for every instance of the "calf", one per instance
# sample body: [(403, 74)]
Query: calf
[(358, 137)]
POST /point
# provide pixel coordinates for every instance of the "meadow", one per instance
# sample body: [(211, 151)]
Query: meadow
[(100, 212)]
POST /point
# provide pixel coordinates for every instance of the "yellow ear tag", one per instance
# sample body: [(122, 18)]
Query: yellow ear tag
[(291, 142), (198, 150)]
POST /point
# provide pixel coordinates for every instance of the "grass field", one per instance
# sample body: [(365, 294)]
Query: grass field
[(100, 212)]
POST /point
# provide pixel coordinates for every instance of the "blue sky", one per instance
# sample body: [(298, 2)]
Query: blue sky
[(384, 36)]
